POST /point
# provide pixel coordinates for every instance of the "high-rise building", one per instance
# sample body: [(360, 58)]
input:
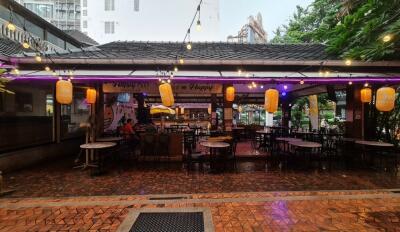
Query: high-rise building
[(64, 14), (148, 20), (252, 32)]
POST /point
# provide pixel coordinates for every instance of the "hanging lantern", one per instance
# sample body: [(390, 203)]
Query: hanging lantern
[(366, 95), (271, 100), (167, 97), (64, 92), (230, 94), (91, 96), (385, 98)]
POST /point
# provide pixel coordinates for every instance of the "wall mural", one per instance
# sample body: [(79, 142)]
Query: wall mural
[(116, 112)]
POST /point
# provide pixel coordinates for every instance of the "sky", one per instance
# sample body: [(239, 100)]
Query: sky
[(234, 14)]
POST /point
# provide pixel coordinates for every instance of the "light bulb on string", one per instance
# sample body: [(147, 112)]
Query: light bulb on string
[(350, 82), (366, 84), (176, 69), (169, 81), (26, 45), (189, 46), (301, 82), (47, 68), (348, 62), (198, 25), (285, 87), (38, 58), (181, 61), (11, 26), (387, 38)]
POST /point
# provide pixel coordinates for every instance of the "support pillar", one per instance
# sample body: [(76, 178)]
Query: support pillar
[(286, 113), (214, 118)]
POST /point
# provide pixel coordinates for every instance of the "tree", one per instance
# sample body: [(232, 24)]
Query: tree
[(350, 28)]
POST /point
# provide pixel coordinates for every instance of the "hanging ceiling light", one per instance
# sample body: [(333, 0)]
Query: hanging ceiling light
[(350, 82), (181, 61), (301, 82), (189, 46), (176, 69), (47, 68), (285, 87), (348, 62)]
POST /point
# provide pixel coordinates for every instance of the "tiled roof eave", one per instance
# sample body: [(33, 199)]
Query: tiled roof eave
[(200, 62)]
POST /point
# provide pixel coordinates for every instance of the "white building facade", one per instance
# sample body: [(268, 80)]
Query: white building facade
[(64, 14), (148, 20)]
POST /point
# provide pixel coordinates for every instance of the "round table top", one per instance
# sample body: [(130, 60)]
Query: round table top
[(214, 144), (109, 139), (98, 145), (374, 143), (288, 139), (263, 132), (238, 128), (305, 144), (219, 138)]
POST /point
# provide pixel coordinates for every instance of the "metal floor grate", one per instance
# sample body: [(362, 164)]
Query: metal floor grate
[(169, 222)]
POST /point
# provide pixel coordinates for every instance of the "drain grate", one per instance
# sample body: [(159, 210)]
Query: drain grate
[(166, 198), (169, 222)]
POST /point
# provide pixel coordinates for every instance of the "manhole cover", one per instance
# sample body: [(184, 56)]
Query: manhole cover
[(169, 222)]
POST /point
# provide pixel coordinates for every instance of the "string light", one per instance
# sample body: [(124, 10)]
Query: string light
[(11, 26), (16, 71), (387, 38), (350, 82), (348, 62), (285, 87), (366, 84), (301, 82), (239, 72), (176, 69), (38, 58), (26, 45), (181, 61), (47, 69), (262, 87), (189, 46)]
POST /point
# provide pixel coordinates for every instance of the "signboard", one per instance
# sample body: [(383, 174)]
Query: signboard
[(152, 88)]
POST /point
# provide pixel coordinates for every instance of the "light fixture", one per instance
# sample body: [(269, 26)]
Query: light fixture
[(250, 86), (54, 73), (321, 72), (239, 72), (283, 93), (70, 73), (159, 79), (285, 87), (181, 61), (176, 69), (189, 46), (26, 45), (198, 25), (38, 58), (169, 80), (327, 73), (262, 86), (11, 26), (366, 84), (172, 75), (47, 68), (301, 82), (16, 71), (387, 38), (348, 62), (247, 75), (350, 82)]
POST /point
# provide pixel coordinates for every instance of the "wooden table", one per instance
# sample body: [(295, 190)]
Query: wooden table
[(306, 149), (214, 147), (286, 141), (94, 147), (219, 138)]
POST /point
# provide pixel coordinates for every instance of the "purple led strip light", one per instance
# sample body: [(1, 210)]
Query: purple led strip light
[(307, 80)]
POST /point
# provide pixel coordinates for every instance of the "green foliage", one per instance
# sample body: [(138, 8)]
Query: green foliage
[(350, 28)]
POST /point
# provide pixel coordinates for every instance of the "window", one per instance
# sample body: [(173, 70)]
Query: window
[(84, 13), (43, 10), (109, 27), (136, 5), (109, 5), (84, 24), (84, 3), (26, 117)]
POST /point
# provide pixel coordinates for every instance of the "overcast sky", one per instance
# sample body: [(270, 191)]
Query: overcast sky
[(234, 14)]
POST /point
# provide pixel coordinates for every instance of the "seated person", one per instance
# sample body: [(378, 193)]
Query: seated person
[(128, 131)]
